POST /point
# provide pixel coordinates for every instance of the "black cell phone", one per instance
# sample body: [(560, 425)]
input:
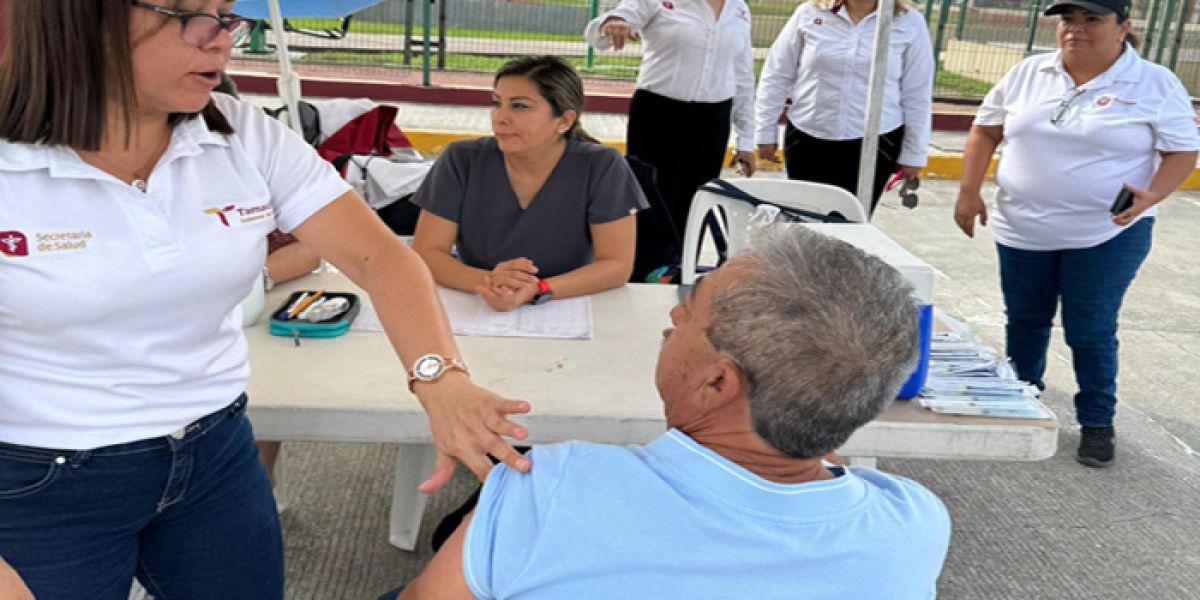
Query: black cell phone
[(1123, 202)]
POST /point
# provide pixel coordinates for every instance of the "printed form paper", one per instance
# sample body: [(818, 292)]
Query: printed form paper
[(470, 314)]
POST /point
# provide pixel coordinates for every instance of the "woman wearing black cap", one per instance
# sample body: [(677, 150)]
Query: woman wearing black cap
[(1095, 137)]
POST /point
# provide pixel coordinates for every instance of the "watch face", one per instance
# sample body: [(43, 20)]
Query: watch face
[(428, 367)]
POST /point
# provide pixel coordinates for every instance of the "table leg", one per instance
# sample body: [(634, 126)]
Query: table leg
[(861, 461), (279, 480), (414, 462)]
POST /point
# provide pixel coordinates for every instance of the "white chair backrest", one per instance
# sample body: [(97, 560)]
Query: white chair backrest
[(803, 195)]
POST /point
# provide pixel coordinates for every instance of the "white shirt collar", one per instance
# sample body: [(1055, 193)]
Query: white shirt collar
[(188, 139), (1127, 69)]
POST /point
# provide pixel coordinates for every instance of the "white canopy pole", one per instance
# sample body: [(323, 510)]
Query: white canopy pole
[(288, 83), (884, 13)]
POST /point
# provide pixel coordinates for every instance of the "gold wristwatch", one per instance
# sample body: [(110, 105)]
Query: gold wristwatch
[(431, 367)]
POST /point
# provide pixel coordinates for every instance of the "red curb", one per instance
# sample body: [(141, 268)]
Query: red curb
[(476, 96)]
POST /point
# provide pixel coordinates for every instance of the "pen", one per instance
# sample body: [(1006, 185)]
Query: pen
[(312, 308), (287, 312), (304, 304)]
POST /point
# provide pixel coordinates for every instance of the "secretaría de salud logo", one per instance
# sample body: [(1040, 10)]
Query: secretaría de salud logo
[(13, 244)]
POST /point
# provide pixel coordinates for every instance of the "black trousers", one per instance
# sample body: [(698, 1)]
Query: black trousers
[(835, 162), (684, 141)]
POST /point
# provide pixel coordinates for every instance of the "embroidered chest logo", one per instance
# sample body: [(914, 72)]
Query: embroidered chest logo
[(220, 212), (817, 21), (13, 244), (62, 241), (1104, 100), (233, 215), (668, 6)]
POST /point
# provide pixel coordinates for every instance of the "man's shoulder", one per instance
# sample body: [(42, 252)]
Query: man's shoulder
[(904, 497), (595, 464), (588, 454)]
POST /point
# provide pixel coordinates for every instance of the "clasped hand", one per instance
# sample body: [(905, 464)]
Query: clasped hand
[(510, 284), (617, 31)]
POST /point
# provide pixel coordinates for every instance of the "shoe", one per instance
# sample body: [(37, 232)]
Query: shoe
[(1097, 446)]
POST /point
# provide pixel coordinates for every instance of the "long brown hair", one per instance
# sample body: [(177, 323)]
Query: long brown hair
[(76, 57), (557, 83)]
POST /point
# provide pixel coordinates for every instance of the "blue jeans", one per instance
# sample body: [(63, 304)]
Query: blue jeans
[(1090, 283), (192, 516)]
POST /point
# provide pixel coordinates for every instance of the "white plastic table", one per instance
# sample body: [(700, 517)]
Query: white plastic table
[(352, 389)]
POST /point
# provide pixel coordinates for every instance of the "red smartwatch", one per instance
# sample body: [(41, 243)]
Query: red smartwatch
[(544, 293)]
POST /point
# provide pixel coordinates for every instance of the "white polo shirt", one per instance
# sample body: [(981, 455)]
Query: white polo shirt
[(822, 61), (691, 54), (1057, 181), (119, 314)]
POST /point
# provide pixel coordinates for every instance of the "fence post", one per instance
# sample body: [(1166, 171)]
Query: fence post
[(1179, 29), (408, 23), (1035, 9), (258, 39), (591, 57), (962, 19), (928, 10), (442, 35), (943, 14), (425, 43), (1151, 25), (1162, 39)]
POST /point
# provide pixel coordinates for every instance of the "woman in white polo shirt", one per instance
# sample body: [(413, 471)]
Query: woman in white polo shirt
[(696, 78), (822, 61), (134, 212), (1079, 126)]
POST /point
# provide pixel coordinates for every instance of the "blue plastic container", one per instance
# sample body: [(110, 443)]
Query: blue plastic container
[(916, 381)]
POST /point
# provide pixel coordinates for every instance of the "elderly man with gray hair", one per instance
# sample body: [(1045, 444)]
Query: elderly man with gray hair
[(773, 360)]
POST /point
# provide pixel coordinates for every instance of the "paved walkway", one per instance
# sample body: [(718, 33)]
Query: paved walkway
[(432, 126)]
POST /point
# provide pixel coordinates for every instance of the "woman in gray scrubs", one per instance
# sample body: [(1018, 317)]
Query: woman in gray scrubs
[(539, 209)]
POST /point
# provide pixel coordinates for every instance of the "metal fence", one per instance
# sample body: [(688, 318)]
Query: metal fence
[(977, 40)]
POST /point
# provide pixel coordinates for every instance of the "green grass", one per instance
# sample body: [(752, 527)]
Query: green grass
[(958, 85)]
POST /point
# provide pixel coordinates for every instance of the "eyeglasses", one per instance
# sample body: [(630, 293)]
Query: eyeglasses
[(200, 29), (1059, 113)]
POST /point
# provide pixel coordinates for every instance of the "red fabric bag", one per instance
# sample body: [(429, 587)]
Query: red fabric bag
[(373, 132)]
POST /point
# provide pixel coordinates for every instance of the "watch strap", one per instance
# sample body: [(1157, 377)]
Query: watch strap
[(448, 364)]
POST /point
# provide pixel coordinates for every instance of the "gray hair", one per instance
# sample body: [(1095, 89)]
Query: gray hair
[(824, 334)]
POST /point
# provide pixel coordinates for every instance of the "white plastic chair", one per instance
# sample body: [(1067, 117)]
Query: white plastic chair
[(803, 195)]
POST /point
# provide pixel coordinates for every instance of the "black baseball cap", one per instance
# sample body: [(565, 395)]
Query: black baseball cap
[(1100, 7)]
